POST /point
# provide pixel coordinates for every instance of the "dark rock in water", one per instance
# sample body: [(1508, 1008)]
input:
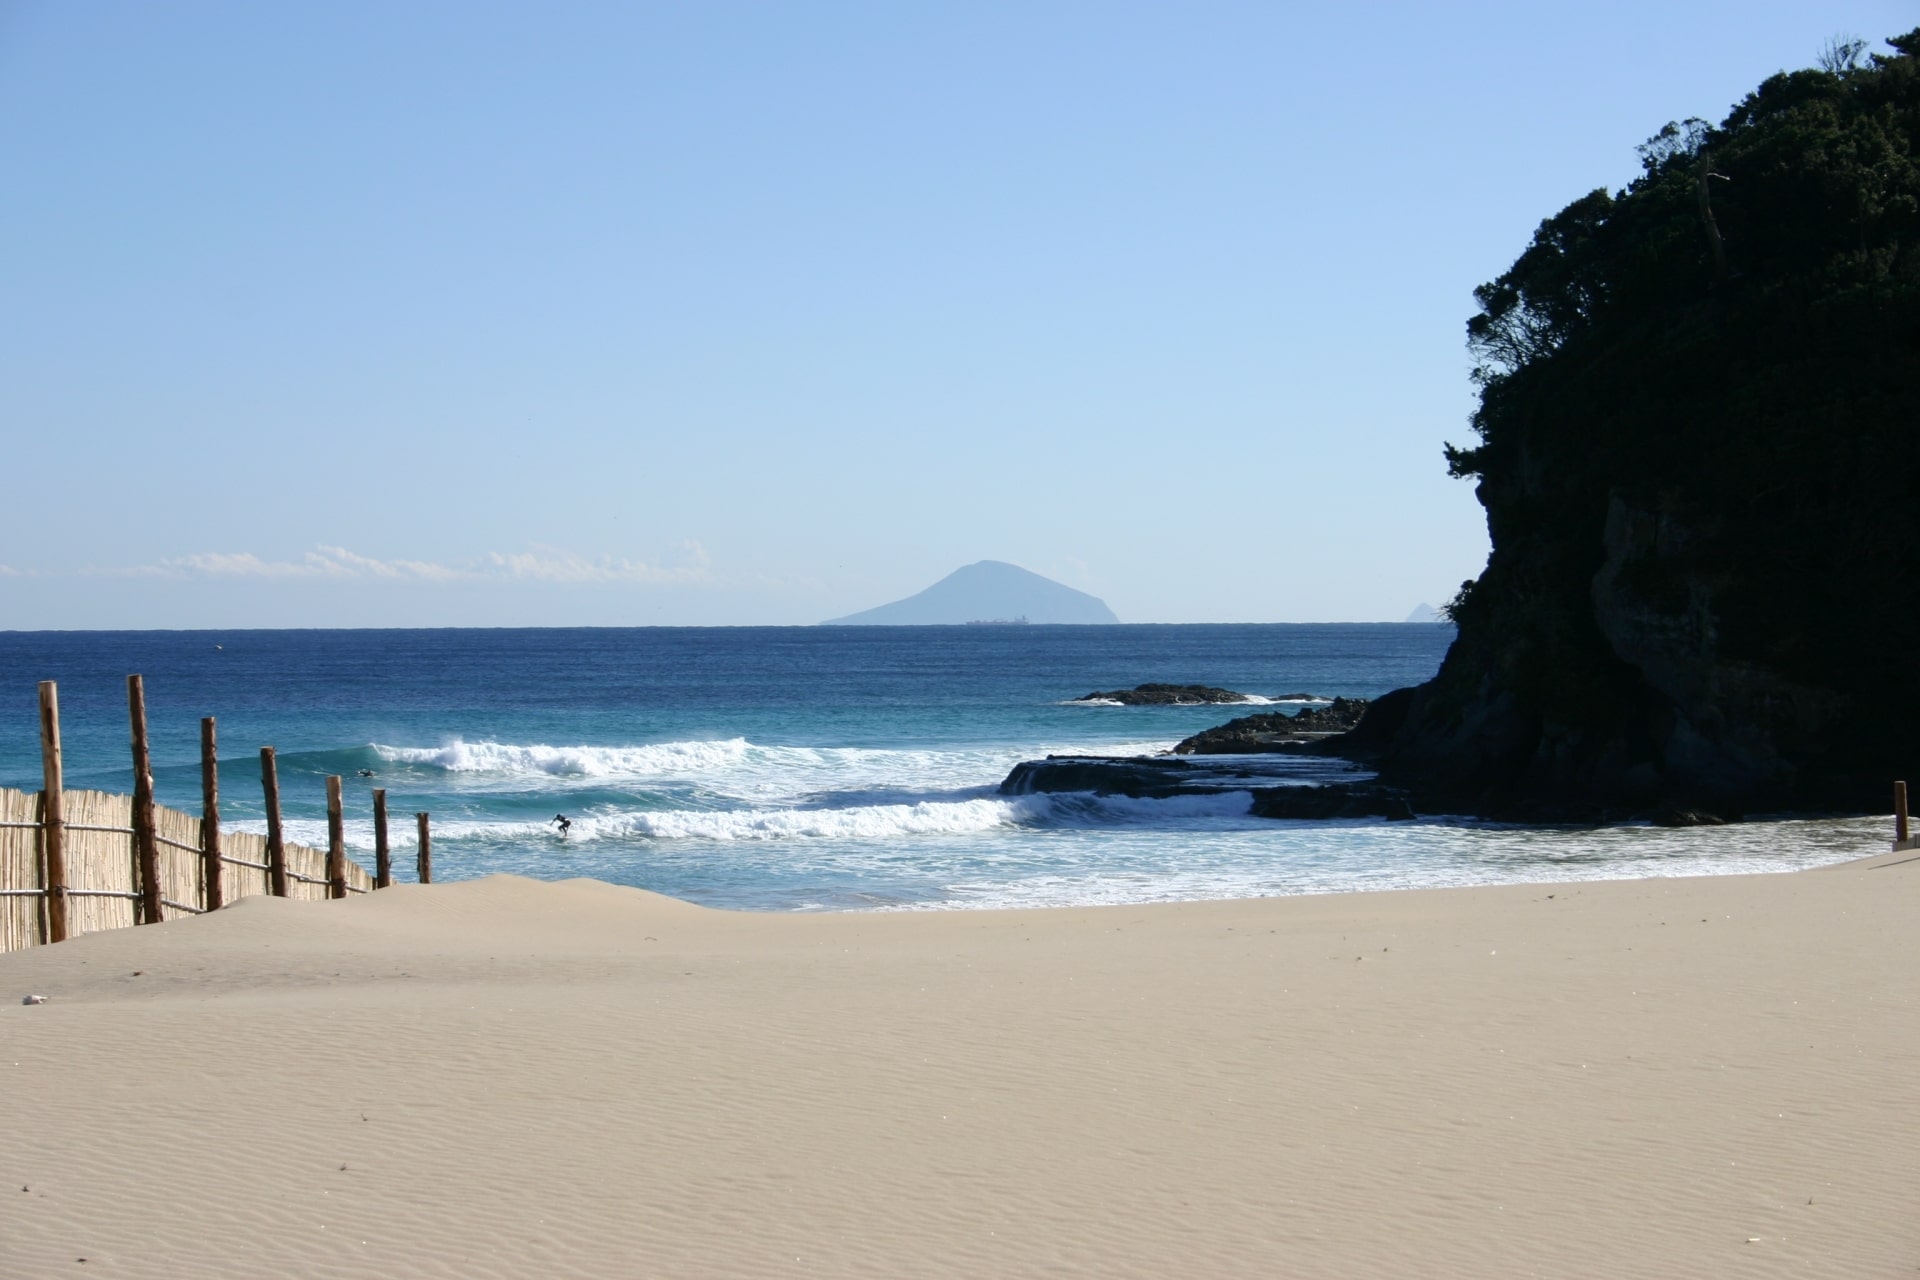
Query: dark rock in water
[(1274, 730), (1336, 717), (1687, 818), (1146, 777), (1379, 721), (1248, 735), (1331, 801), (1165, 695), (1159, 777)]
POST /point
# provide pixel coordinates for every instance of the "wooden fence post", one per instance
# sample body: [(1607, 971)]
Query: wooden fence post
[(382, 859), (276, 845), (336, 840), (210, 817), (146, 851), (1900, 832), (53, 823), (425, 864)]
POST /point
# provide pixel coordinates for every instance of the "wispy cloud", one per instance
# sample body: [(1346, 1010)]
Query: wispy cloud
[(342, 563), (690, 563), (8, 571), (687, 562)]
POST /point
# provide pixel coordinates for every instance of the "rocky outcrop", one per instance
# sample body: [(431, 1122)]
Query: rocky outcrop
[(1162, 777), (1697, 456), (1669, 656), (1165, 695), (1332, 801), (1143, 777), (1275, 731)]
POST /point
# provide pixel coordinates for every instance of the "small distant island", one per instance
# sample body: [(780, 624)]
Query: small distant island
[(988, 593)]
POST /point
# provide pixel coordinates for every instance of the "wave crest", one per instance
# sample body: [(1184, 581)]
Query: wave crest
[(863, 822), (588, 762)]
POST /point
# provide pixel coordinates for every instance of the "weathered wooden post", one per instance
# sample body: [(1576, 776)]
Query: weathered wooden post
[(53, 828), (382, 859), (276, 844), (210, 817), (336, 840), (146, 850), (425, 864), (1900, 833)]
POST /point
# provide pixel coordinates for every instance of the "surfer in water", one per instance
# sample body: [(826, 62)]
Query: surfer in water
[(562, 821)]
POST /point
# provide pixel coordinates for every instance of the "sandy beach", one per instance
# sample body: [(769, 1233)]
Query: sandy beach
[(1663, 1078)]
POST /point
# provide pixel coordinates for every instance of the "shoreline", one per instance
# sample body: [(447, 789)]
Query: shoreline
[(502, 1077), (1243, 859)]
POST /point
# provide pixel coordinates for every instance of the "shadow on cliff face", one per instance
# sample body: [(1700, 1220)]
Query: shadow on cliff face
[(1699, 440)]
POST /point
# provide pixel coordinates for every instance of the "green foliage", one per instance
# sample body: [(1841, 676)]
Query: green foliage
[(1843, 54), (1460, 605), (1683, 139), (1732, 342), (1810, 189)]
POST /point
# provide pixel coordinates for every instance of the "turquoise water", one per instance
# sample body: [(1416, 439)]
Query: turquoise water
[(799, 768)]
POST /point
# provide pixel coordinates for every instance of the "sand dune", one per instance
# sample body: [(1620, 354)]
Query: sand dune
[(1671, 1078)]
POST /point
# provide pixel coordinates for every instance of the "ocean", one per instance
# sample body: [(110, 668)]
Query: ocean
[(802, 768)]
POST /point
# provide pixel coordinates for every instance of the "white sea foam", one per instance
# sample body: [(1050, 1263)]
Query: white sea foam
[(857, 823), (735, 768), (853, 823), (1260, 859), (1063, 850), (1073, 808), (649, 760), (928, 817), (865, 822)]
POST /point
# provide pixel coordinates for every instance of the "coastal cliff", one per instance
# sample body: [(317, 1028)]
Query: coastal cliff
[(1699, 455)]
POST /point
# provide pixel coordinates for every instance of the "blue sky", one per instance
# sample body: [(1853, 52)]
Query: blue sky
[(365, 314)]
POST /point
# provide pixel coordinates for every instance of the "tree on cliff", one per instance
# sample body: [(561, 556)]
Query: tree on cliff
[(1698, 444)]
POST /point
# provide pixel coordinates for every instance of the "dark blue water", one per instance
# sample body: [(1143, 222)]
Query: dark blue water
[(339, 691), (770, 767)]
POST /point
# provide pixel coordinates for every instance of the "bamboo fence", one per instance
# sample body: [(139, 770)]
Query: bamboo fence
[(91, 860), (103, 888)]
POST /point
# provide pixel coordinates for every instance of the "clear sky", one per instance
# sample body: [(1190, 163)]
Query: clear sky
[(364, 314)]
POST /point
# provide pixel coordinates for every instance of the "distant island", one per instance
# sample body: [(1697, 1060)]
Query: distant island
[(987, 592)]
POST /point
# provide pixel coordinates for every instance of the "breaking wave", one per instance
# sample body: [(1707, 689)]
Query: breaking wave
[(587, 762), (860, 822), (730, 767)]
